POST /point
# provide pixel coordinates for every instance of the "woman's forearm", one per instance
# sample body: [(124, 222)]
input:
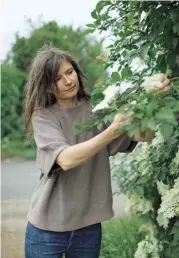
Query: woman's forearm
[(77, 154)]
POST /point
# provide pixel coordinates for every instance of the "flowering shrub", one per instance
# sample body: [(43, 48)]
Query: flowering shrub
[(145, 42)]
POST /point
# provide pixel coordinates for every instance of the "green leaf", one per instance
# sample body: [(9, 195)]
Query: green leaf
[(125, 73), (100, 126), (152, 125), (166, 130), (89, 31), (174, 15), (162, 63), (153, 105), (90, 25), (139, 190), (171, 59), (121, 128), (142, 96), (176, 107), (130, 16), (101, 4), (94, 14), (138, 115), (176, 28), (133, 129), (168, 99), (169, 102), (175, 42), (166, 115), (152, 35), (143, 52), (109, 118), (144, 123), (115, 76)]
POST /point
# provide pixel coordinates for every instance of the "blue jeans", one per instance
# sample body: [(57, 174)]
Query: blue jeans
[(81, 243)]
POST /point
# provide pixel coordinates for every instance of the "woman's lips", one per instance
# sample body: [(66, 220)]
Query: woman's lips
[(71, 88)]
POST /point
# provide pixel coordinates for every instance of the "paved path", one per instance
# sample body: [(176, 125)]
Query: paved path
[(18, 180)]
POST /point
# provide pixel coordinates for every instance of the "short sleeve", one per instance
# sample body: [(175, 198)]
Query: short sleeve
[(121, 144), (50, 140)]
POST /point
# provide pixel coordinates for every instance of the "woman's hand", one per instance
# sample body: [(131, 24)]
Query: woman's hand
[(119, 120), (156, 83), (165, 83)]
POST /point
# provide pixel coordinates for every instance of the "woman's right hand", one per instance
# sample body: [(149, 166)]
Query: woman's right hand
[(119, 119)]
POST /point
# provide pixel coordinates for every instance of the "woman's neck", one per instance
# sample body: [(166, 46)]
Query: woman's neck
[(68, 103)]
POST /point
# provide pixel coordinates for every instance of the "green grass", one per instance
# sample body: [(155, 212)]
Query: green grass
[(120, 238)]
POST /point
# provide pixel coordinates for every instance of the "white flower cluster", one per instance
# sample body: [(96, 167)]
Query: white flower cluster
[(169, 207), (143, 16), (149, 247), (152, 83), (158, 139), (110, 94), (138, 65), (136, 203), (124, 86), (162, 188)]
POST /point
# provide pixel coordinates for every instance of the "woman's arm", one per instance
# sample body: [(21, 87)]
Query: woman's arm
[(77, 154)]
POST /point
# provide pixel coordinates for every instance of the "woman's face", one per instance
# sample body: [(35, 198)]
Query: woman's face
[(67, 82)]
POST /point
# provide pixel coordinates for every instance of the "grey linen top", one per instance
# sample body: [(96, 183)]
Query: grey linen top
[(81, 196)]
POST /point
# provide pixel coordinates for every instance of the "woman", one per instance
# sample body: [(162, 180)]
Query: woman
[(74, 193)]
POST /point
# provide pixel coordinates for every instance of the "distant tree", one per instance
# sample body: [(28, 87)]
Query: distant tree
[(12, 78), (83, 47)]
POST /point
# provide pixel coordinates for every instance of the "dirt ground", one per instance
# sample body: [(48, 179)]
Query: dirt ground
[(13, 223)]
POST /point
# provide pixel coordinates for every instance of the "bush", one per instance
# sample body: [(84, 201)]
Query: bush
[(145, 42)]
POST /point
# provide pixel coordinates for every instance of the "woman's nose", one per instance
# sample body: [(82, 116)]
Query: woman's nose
[(67, 80)]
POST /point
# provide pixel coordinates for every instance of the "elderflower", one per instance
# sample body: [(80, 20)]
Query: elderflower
[(134, 102), (124, 86), (169, 207), (143, 16), (162, 188), (159, 139), (136, 203), (102, 105), (152, 83), (110, 93), (149, 246), (138, 65)]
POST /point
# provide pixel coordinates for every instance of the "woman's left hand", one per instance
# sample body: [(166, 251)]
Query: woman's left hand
[(165, 83)]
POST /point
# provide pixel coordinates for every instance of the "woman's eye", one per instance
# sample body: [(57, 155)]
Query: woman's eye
[(70, 71), (58, 78)]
